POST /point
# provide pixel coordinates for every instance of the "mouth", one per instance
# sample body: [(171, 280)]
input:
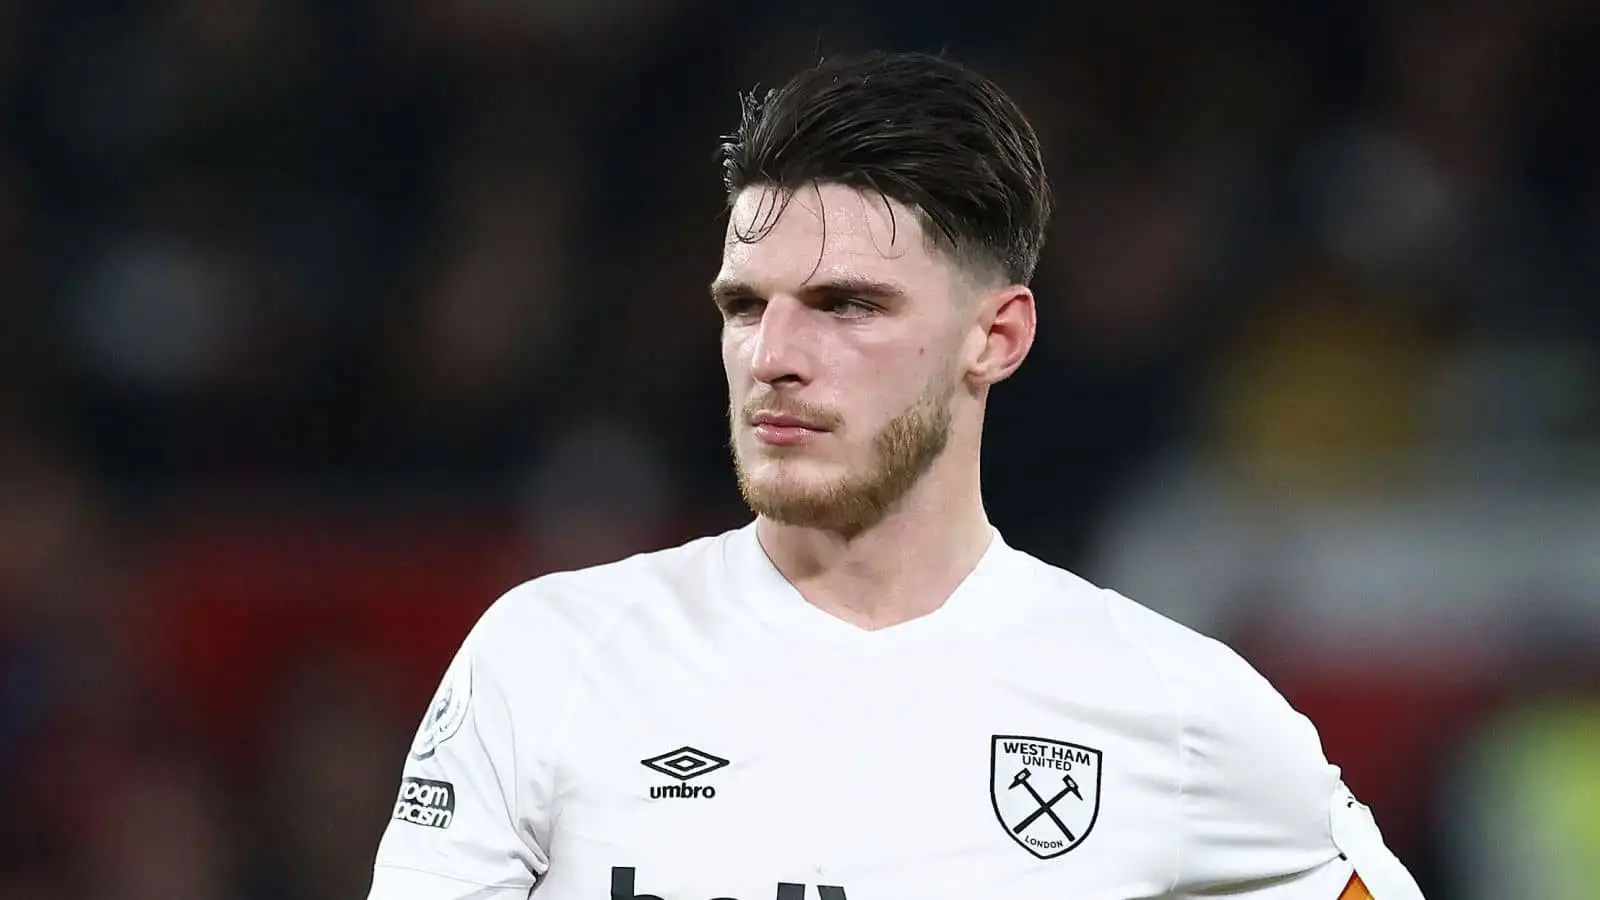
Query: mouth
[(779, 430)]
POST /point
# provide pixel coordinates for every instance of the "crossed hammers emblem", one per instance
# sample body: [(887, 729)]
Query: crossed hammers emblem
[(1046, 807)]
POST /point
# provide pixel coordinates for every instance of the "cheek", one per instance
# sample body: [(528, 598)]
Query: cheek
[(733, 359), (906, 374)]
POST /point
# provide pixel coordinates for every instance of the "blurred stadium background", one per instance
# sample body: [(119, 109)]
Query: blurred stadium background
[(325, 323)]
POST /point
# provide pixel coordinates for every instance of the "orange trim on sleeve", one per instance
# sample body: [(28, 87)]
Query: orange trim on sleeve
[(1355, 890)]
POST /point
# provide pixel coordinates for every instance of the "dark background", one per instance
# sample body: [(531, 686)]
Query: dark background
[(326, 322)]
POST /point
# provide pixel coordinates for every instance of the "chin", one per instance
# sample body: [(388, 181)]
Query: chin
[(789, 479), (800, 494)]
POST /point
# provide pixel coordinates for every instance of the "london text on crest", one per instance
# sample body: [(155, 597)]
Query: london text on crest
[(1046, 793)]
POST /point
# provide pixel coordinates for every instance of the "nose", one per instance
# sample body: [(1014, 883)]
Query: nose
[(781, 353)]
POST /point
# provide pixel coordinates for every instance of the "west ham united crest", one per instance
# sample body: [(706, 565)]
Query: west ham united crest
[(1046, 793)]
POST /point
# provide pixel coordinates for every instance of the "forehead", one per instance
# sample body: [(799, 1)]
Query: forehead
[(779, 241)]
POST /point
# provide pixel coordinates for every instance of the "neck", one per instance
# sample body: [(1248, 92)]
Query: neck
[(902, 568)]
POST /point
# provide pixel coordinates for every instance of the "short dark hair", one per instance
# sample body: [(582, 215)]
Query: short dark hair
[(914, 127)]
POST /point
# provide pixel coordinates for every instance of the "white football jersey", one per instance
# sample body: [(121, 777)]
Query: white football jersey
[(683, 725)]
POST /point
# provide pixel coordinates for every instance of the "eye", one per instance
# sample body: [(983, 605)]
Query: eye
[(740, 307), (849, 307)]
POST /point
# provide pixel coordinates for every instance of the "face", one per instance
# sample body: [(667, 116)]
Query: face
[(843, 338)]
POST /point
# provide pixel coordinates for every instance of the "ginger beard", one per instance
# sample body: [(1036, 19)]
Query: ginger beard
[(902, 451)]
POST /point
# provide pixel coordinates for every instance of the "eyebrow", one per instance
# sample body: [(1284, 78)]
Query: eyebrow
[(841, 286)]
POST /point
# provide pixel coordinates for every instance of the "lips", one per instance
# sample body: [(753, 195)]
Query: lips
[(779, 430), (775, 420)]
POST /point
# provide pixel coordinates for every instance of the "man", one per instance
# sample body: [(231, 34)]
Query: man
[(865, 694)]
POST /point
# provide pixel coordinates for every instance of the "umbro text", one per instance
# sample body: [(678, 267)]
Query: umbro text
[(662, 791)]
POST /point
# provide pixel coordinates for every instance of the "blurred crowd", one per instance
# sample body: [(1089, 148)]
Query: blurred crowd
[(327, 322)]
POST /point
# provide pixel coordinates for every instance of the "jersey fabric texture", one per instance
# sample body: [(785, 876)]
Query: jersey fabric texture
[(683, 725)]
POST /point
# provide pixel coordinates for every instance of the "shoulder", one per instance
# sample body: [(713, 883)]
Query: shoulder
[(1236, 732), (1067, 603), (528, 650), (1254, 790), (1253, 767), (1231, 712), (1208, 675), (1224, 696), (567, 611), (1207, 680)]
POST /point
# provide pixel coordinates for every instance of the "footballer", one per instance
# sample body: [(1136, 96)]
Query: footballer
[(865, 693)]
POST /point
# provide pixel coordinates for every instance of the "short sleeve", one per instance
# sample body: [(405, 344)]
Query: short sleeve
[(468, 811), (1266, 816)]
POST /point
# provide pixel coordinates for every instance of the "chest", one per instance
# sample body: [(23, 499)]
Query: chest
[(805, 776)]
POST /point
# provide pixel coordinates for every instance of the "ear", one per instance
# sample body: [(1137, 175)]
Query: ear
[(1002, 335)]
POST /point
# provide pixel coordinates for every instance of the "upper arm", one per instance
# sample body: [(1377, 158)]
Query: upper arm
[(473, 798), (1266, 816)]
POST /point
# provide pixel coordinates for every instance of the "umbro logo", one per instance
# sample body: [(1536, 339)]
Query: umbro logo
[(683, 764)]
